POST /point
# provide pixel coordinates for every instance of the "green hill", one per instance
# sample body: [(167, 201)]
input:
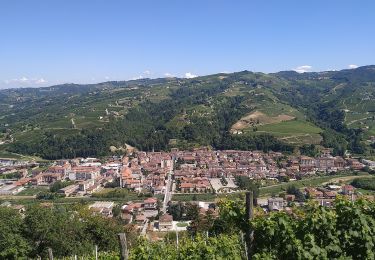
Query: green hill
[(242, 110)]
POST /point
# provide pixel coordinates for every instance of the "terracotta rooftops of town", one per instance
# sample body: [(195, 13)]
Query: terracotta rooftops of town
[(150, 200), (166, 218)]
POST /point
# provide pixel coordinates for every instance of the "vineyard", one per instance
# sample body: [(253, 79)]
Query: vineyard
[(345, 231)]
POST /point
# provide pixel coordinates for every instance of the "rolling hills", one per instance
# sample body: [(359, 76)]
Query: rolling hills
[(242, 110)]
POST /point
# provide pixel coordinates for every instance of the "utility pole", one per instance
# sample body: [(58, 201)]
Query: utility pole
[(123, 246), (177, 238), (50, 253), (249, 234)]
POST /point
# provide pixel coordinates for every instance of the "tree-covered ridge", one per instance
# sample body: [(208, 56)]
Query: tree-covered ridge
[(335, 109)]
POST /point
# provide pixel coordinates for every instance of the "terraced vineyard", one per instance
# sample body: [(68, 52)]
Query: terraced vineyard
[(334, 109)]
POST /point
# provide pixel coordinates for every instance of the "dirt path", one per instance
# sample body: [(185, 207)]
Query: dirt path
[(347, 178), (357, 120)]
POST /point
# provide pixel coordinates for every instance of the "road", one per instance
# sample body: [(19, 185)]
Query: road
[(167, 194), (144, 228)]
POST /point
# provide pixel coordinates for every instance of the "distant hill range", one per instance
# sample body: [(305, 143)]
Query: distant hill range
[(242, 110)]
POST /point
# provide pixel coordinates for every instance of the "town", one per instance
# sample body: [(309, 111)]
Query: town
[(156, 180)]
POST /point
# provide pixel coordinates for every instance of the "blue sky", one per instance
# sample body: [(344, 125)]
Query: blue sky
[(51, 42)]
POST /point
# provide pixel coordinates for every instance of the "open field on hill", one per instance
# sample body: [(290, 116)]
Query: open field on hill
[(313, 182), (258, 118), (294, 131), (209, 197), (8, 155)]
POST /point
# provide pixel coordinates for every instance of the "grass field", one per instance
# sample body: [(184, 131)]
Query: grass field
[(290, 127), (205, 197), (365, 192), (8, 155), (313, 182), (294, 131), (69, 200), (182, 224), (32, 191)]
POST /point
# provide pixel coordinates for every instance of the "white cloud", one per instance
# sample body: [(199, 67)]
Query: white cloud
[(41, 81), (144, 74), (168, 75), (352, 66), (190, 75), (23, 79), (26, 81), (303, 68), (135, 78), (106, 78)]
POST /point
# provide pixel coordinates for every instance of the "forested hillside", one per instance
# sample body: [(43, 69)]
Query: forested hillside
[(243, 110)]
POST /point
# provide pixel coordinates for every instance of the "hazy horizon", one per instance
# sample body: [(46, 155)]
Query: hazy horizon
[(48, 43)]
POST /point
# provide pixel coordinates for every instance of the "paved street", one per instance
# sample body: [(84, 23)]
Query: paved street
[(167, 194)]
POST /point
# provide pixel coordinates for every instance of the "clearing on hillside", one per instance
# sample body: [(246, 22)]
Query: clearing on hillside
[(259, 118), (293, 132)]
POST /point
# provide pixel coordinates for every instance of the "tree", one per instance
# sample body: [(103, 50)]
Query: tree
[(309, 150), (177, 210), (245, 183), (59, 185), (57, 228), (293, 190), (13, 245)]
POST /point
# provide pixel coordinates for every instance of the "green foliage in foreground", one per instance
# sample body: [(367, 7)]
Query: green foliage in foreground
[(346, 231), (68, 231), (220, 247)]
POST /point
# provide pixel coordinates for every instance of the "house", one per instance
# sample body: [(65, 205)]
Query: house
[(348, 190), (276, 204), (313, 193), (62, 168), (356, 165), (102, 207), (128, 218), (329, 194), (166, 222), (140, 219), (187, 187), (10, 189), (339, 163), (151, 204), (130, 180), (325, 163), (325, 202), (69, 190), (84, 173), (369, 163), (46, 178), (132, 207), (307, 163)]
